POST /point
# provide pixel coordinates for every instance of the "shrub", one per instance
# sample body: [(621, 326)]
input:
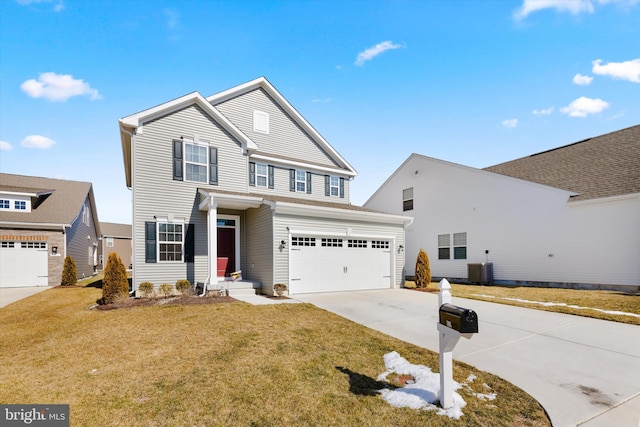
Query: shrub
[(183, 286), (166, 289), (423, 270), (114, 284), (280, 288), (69, 273), (146, 288)]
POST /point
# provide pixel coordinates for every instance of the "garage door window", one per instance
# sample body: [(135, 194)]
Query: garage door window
[(357, 243), (33, 245), (333, 243), (8, 244), (303, 241), (379, 244)]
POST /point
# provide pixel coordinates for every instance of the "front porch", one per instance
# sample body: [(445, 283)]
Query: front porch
[(231, 287)]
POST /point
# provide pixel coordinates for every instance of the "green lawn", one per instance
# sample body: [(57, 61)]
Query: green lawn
[(227, 364)]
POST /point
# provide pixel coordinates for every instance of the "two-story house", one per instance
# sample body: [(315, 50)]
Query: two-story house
[(42, 220), (240, 181)]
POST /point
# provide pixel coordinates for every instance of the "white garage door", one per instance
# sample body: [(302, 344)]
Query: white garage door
[(23, 264), (325, 264)]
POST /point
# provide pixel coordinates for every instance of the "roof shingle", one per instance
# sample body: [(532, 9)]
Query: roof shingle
[(603, 166), (61, 207)]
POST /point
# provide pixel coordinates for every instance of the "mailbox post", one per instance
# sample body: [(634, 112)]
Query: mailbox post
[(454, 322)]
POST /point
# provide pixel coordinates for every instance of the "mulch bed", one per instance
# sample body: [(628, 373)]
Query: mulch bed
[(174, 300)]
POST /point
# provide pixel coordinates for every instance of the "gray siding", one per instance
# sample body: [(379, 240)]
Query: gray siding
[(285, 138), (260, 247), (282, 224), (155, 193), (78, 245)]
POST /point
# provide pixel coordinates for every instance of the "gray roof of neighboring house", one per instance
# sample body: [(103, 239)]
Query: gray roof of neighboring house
[(602, 166), (60, 204), (111, 229)]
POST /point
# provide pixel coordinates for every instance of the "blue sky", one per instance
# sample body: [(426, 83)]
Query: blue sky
[(472, 82)]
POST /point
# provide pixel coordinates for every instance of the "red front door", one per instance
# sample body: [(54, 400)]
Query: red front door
[(227, 248)]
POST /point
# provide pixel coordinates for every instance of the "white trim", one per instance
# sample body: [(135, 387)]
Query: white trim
[(297, 164), (183, 232), (236, 218), (604, 200), (335, 213), (229, 201), (265, 175)]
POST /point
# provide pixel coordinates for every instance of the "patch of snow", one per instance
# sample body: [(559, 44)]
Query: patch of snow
[(561, 304), (423, 394), (470, 378)]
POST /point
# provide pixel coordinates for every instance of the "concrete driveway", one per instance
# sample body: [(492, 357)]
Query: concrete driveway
[(10, 295), (584, 372)]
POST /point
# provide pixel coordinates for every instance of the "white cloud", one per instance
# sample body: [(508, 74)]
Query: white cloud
[(58, 7), (37, 141), (582, 107), (581, 80), (628, 70), (372, 52), (321, 100), (5, 146), (573, 6), (543, 112), (58, 87), (510, 123)]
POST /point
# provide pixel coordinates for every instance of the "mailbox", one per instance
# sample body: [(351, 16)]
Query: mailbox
[(460, 319)]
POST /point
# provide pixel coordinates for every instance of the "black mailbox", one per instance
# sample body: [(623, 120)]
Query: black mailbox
[(460, 319)]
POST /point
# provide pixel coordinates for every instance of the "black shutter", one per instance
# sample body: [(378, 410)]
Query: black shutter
[(309, 182), (252, 174), (189, 243), (327, 185), (292, 180), (271, 177), (342, 188), (213, 165), (177, 160), (150, 242)]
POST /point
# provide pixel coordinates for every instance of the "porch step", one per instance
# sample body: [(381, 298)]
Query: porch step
[(240, 287)]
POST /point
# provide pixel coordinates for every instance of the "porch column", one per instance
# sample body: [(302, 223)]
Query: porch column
[(212, 229)]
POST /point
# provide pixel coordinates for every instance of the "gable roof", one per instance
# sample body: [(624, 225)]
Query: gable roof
[(264, 84), (112, 229), (134, 123), (603, 166), (58, 202)]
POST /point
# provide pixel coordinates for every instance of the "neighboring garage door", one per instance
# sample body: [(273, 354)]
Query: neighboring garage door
[(326, 264), (23, 264)]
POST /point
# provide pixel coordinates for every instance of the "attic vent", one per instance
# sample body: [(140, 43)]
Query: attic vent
[(260, 121)]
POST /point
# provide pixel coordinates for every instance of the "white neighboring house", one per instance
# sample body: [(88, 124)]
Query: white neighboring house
[(567, 217)]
